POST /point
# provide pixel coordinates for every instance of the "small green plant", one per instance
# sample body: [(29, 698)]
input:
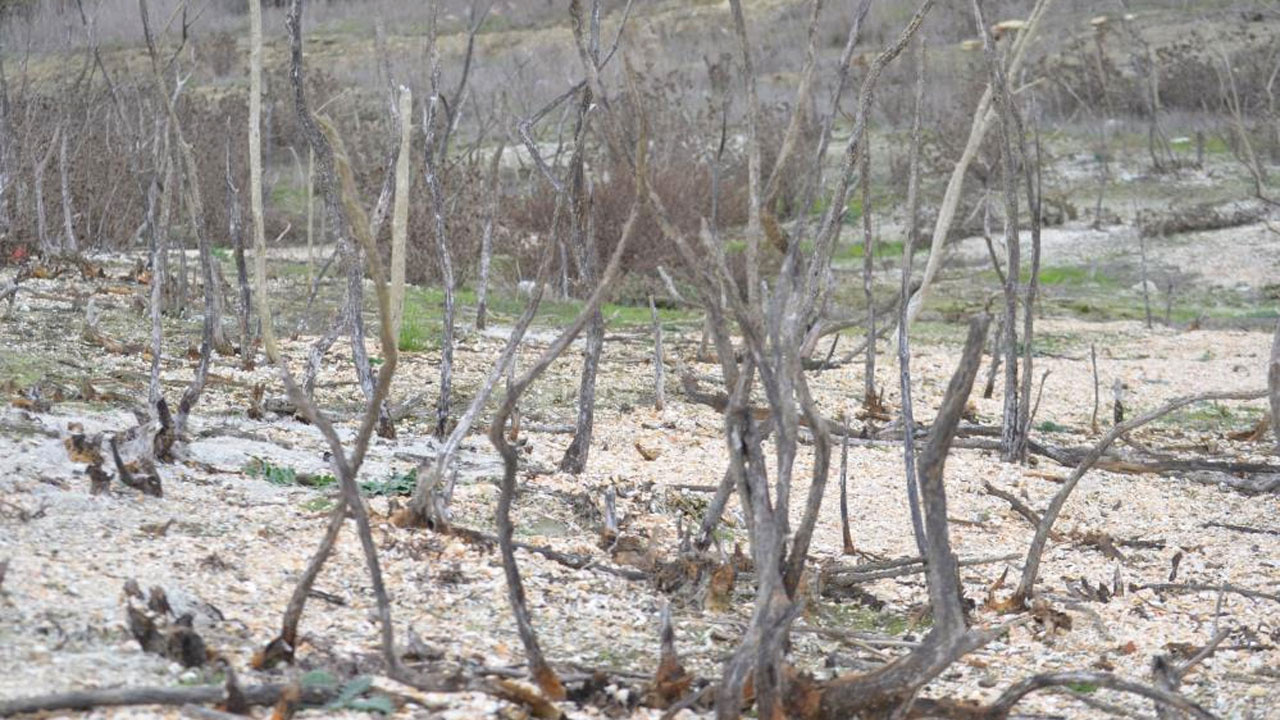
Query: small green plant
[(1050, 426), (283, 476), (221, 253), (272, 473), (394, 484), (319, 504), (350, 697), (1083, 687)]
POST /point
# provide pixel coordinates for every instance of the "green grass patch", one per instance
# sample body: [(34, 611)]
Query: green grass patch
[(1050, 426), (422, 325), (1071, 276)]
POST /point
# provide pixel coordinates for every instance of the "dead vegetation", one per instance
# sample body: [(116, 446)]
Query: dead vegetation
[(680, 561)]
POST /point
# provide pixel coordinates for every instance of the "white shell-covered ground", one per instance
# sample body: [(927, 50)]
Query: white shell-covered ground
[(228, 545)]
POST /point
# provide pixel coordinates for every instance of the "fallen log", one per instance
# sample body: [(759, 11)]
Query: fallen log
[(117, 697)]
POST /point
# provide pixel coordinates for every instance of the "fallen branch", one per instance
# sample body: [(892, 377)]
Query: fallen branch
[(1031, 567), (1014, 694), (845, 576), (117, 697), (570, 560), (1206, 587), (1240, 528)]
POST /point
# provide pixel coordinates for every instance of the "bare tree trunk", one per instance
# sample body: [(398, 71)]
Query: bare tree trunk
[(904, 344), (1093, 361), (311, 213), (1013, 264), (340, 222), (1146, 293), (486, 239), (159, 269), (221, 343), (195, 210), (659, 381), (581, 212), (753, 153), (335, 168), (1273, 385), (236, 229), (868, 250), (69, 242), (400, 214), (1033, 182), (42, 232), (7, 162), (255, 183), (540, 671)]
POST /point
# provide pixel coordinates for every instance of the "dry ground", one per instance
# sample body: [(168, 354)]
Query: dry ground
[(237, 542)]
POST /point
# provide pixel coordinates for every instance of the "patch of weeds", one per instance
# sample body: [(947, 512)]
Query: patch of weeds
[(1083, 687), (1071, 275), (350, 698), (221, 253), (277, 475), (283, 476), (1214, 417), (394, 484), (318, 504), (1050, 426)]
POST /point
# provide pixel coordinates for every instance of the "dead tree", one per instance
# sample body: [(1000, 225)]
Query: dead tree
[(1010, 428), (539, 670), (904, 345), (42, 232), (346, 463), (255, 183), (869, 399), (440, 117), (236, 230), (352, 317), (582, 232), (400, 213), (659, 381), (486, 239), (195, 209), (1273, 385), (982, 118), (774, 331)]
